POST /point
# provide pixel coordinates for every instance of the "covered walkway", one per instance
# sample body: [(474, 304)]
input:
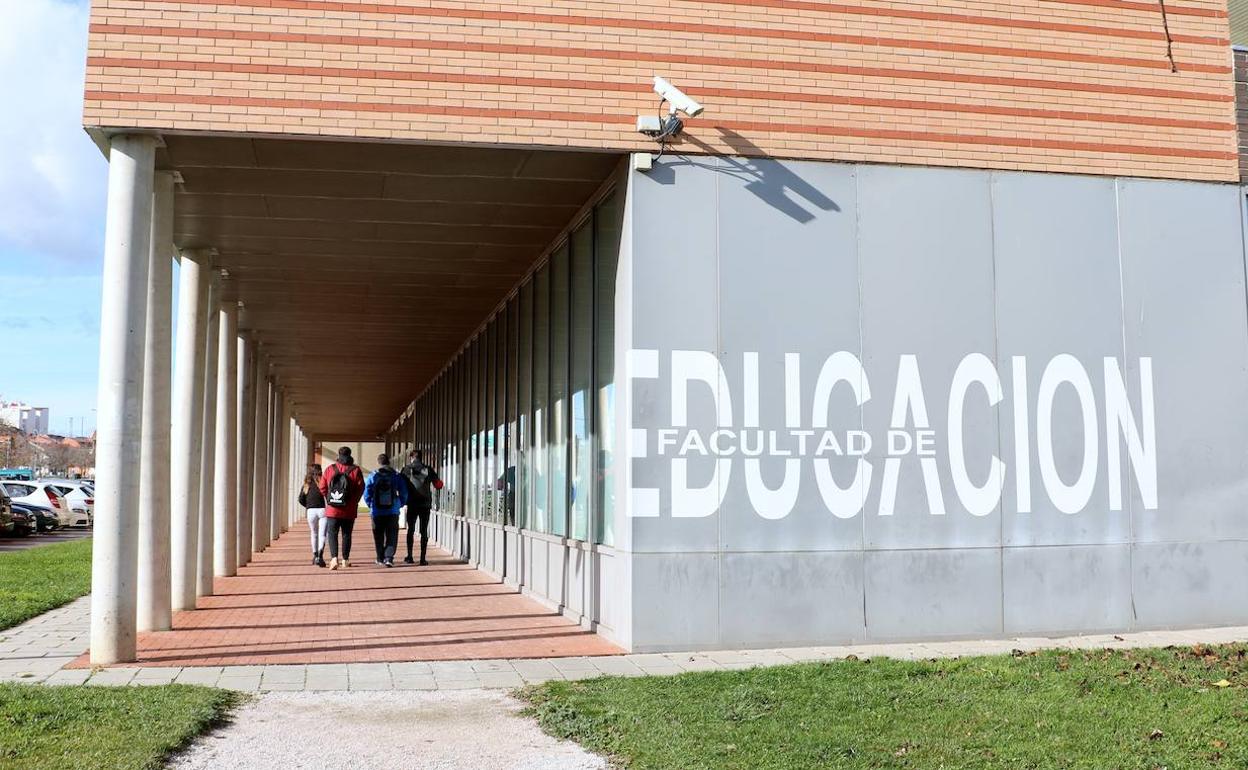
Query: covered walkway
[(322, 286), (281, 610)]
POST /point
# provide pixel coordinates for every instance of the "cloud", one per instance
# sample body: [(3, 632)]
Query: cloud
[(52, 178)]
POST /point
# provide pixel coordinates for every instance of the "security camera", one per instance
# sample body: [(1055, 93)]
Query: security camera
[(676, 98), (664, 129)]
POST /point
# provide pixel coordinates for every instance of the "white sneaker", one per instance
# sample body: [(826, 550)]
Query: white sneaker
[(333, 563)]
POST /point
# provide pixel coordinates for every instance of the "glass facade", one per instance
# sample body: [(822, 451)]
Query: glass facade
[(608, 227), (541, 400), (581, 374), (557, 435), (521, 422), (524, 437)]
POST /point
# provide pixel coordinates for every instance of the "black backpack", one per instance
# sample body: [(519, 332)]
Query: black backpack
[(383, 489), (339, 489), (417, 475)]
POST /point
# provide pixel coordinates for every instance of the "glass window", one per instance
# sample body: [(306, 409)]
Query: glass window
[(558, 435), (501, 437), (444, 453), (524, 405), (452, 457), (470, 408), (500, 414), (489, 379), (581, 374), (434, 456), (461, 436), (512, 398), (19, 490), (499, 379), (466, 442), (481, 426), (448, 441), (608, 222), (450, 472), (541, 398)]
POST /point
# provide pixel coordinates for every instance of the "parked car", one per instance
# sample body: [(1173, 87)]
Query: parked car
[(90, 483), (23, 524), (81, 497), (45, 518), (6, 514), (40, 493)]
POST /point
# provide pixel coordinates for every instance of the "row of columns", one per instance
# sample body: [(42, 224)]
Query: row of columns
[(194, 476)]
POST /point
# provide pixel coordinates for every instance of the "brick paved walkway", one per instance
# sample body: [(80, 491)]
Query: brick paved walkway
[(281, 610)]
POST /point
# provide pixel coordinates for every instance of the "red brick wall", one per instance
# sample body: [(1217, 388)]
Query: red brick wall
[(1059, 85)]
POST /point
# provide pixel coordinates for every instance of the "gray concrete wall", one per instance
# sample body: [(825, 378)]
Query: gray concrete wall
[(1036, 311), (554, 571)]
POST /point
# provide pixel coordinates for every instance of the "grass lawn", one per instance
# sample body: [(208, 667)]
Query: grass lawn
[(119, 728), (1172, 708), (35, 580)]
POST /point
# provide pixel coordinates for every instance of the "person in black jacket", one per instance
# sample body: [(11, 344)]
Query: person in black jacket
[(421, 479), (310, 497)]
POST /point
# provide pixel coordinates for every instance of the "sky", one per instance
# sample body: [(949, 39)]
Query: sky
[(52, 190)]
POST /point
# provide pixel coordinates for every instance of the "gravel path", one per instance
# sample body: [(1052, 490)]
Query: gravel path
[(450, 730)]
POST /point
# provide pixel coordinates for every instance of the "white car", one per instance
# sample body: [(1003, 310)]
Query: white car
[(81, 496), (44, 494)]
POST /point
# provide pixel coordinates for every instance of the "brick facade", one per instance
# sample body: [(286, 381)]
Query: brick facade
[(1079, 86)]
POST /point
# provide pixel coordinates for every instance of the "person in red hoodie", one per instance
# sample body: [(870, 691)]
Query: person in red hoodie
[(342, 486)]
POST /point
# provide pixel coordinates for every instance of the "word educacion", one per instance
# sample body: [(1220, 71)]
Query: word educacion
[(808, 436)]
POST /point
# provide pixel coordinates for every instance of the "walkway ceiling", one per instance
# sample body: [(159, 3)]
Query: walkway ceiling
[(363, 266)]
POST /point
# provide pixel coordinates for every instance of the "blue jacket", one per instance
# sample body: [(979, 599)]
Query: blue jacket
[(398, 489)]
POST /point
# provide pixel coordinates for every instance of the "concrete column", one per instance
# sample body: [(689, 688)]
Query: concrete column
[(293, 470), (246, 437), (286, 457), (259, 476), (155, 589), (295, 474), (225, 513), (208, 438), (270, 473), (280, 467), (187, 427), (278, 514), (301, 467), (119, 430)]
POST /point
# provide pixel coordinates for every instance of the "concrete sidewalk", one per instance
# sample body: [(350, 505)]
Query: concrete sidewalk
[(39, 650), (477, 729)]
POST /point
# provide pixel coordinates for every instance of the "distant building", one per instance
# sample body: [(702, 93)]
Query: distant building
[(26, 418)]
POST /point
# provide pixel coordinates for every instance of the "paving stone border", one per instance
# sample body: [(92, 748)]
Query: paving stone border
[(38, 650)]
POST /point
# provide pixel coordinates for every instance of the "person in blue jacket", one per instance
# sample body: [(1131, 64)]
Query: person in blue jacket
[(385, 494)]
